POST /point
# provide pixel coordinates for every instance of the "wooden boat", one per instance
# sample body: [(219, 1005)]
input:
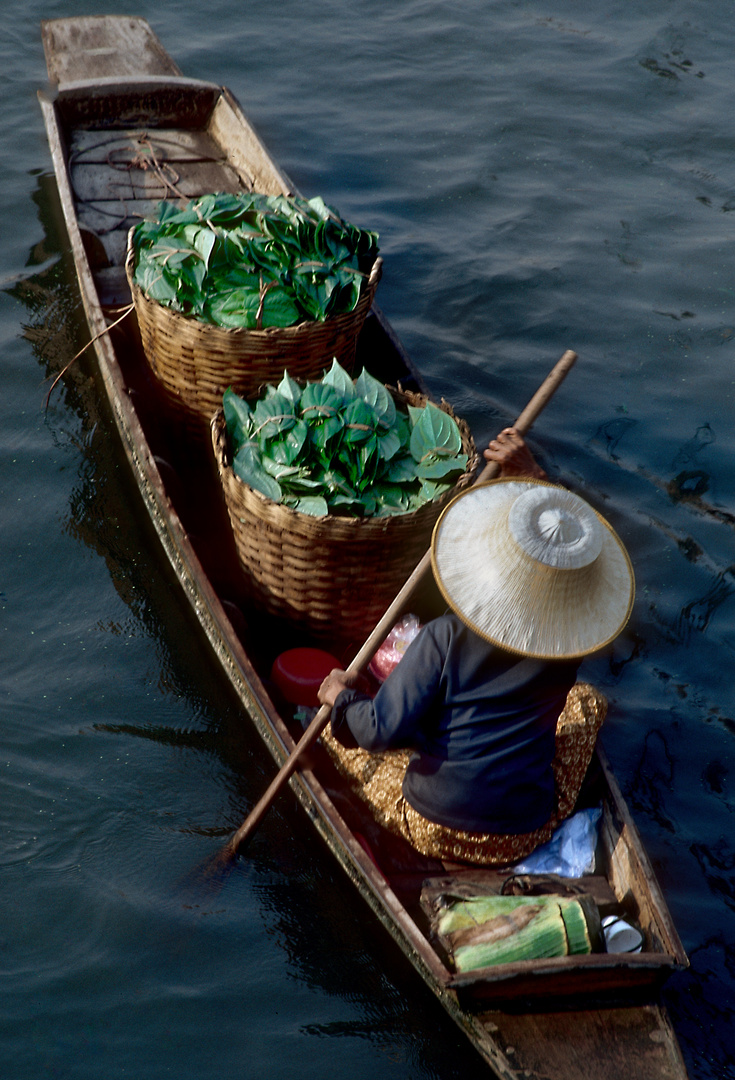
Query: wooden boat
[(122, 123)]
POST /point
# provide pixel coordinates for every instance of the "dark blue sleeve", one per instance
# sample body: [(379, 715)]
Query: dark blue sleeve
[(393, 718)]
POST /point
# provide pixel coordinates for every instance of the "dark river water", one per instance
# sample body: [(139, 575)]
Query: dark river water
[(543, 176)]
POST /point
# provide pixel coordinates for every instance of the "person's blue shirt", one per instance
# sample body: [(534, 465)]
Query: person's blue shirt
[(481, 721)]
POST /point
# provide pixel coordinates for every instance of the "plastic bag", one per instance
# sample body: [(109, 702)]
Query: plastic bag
[(394, 646), (571, 850)]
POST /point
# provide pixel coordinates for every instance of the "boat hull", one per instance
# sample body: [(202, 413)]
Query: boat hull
[(511, 1013)]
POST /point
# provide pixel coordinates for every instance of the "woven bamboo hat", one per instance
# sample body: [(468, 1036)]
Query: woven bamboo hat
[(532, 568)]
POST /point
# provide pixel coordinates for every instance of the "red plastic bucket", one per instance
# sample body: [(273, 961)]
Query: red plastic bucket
[(298, 674)]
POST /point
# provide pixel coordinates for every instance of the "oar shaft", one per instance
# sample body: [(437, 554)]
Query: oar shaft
[(281, 778), (536, 405), (399, 605)]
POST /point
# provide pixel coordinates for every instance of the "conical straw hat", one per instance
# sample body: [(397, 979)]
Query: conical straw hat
[(532, 568)]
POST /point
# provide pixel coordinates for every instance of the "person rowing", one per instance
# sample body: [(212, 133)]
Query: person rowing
[(475, 747)]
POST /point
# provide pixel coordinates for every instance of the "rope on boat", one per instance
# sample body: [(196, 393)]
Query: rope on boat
[(145, 159), (125, 312)]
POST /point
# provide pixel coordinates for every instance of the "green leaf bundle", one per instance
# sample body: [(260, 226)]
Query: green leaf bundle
[(486, 930), (251, 261), (339, 446)]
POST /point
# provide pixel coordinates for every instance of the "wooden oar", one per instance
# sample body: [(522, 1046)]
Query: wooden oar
[(399, 605)]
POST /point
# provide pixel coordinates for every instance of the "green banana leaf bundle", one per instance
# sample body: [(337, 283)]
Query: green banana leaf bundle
[(487, 930)]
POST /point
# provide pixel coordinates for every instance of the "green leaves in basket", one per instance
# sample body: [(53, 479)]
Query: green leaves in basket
[(250, 301), (247, 466), (435, 443), (321, 406), (237, 419), (250, 261), (342, 447)]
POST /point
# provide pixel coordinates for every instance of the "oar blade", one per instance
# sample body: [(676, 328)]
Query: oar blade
[(210, 875)]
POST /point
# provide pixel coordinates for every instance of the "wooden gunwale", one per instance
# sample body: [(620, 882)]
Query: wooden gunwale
[(475, 1001)]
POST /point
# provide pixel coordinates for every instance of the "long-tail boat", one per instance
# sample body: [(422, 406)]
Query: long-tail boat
[(124, 127)]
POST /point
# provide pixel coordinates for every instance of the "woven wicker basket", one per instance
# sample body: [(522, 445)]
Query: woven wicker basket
[(336, 576), (195, 361)]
